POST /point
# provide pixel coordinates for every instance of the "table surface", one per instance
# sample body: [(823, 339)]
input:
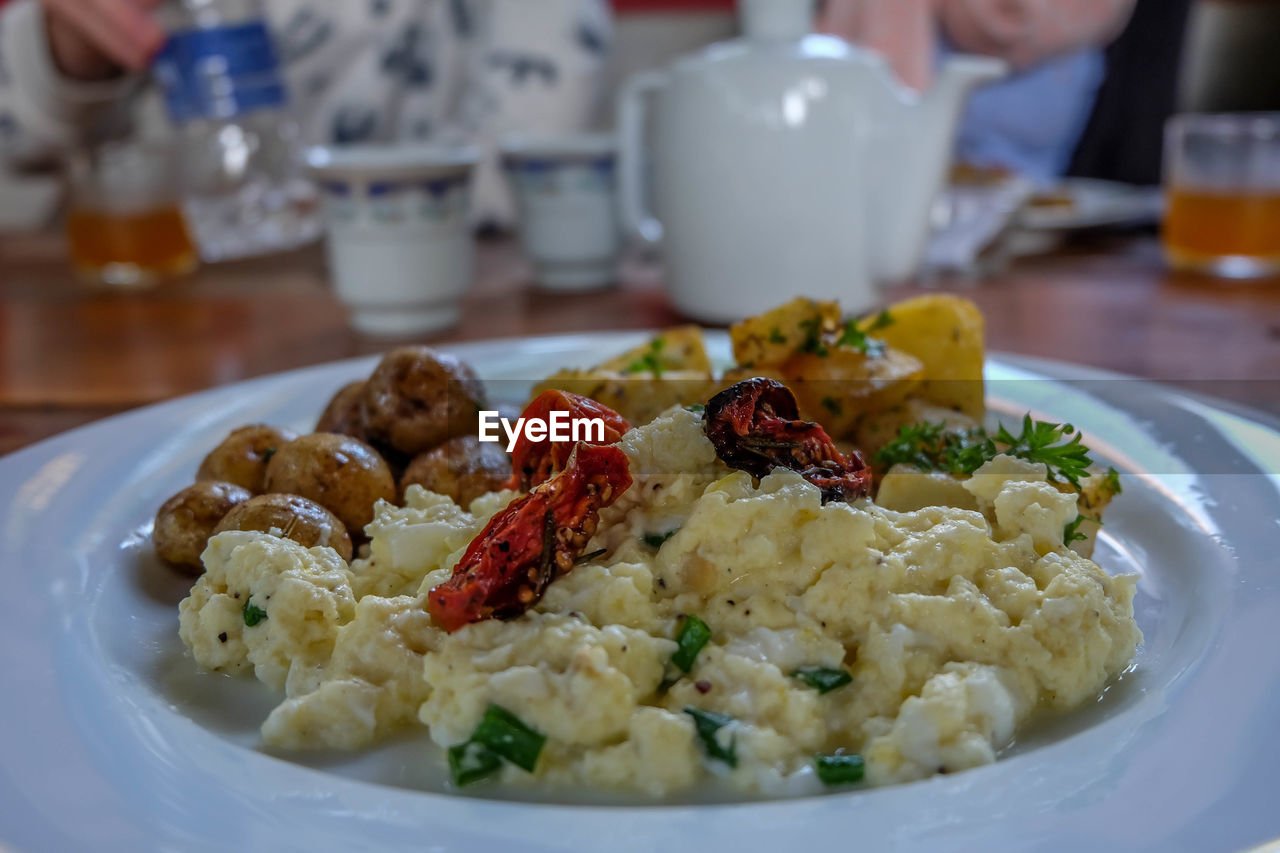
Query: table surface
[(69, 355)]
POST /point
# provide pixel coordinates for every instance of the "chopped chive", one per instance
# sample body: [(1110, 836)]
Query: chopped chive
[(833, 406), (839, 769), (707, 723), (268, 453), (501, 732), (776, 336), (470, 762), (696, 408), (693, 635), (821, 678), (253, 614), (657, 540)]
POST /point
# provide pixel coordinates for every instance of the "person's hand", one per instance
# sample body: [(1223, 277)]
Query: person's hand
[(96, 39), (902, 31)]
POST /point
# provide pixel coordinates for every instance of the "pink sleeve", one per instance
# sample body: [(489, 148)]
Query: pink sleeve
[(1025, 32)]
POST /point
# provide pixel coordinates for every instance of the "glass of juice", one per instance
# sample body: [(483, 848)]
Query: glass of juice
[(1222, 176), (125, 226)]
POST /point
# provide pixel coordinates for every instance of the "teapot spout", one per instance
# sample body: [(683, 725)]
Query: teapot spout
[(959, 77), (920, 140)]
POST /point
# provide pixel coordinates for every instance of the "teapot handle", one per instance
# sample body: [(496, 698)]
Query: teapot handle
[(633, 164)]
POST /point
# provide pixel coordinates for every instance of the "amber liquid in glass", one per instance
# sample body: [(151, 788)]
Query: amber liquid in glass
[(131, 249), (1219, 231)]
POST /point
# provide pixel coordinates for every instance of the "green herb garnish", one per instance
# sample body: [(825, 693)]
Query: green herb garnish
[(268, 453), (651, 361), (833, 406), (1043, 442), (657, 540), (822, 678), (883, 320), (502, 733), (470, 762), (776, 336), (812, 342), (707, 723), (854, 337), (253, 614), (934, 447), (1071, 531), (838, 768), (696, 408), (1111, 482), (694, 634)]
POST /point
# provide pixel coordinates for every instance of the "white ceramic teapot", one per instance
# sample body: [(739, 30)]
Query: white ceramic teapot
[(786, 163)]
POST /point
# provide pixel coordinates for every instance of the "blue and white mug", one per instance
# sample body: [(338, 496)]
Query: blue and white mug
[(401, 251), (566, 194)]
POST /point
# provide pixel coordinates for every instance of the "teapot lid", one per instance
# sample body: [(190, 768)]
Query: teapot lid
[(777, 30)]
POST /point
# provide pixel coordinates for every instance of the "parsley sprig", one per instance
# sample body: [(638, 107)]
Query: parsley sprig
[(934, 447), (1071, 532), (1045, 442)]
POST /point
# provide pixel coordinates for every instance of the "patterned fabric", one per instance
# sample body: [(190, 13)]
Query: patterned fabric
[(368, 70)]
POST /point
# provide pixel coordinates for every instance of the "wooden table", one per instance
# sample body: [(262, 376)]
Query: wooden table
[(69, 356)]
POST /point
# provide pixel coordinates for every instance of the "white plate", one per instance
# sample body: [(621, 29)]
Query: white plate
[(104, 745), (1094, 204)]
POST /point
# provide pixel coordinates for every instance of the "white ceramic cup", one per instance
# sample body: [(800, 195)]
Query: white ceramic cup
[(401, 251), (565, 190)]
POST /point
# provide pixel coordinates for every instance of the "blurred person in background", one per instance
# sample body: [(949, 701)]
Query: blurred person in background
[(357, 70), (1033, 121)]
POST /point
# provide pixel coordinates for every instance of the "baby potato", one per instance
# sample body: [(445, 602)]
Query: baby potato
[(462, 468), (345, 413), (292, 517), (342, 474), (418, 398), (242, 456), (185, 521)]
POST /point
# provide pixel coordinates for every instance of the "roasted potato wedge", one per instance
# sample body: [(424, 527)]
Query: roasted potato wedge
[(843, 386), (679, 349), (1096, 491), (947, 334), (907, 489), (777, 335), (637, 397)]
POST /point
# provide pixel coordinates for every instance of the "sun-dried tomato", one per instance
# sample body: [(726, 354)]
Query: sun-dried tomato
[(755, 427), (535, 540), (533, 462)]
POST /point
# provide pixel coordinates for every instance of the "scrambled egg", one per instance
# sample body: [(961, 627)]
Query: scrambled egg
[(954, 624)]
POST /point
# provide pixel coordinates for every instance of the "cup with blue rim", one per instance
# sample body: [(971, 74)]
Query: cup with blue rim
[(565, 191), (400, 246)]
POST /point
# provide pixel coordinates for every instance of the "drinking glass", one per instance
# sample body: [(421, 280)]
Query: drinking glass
[(125, 226), (1222, 177)]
